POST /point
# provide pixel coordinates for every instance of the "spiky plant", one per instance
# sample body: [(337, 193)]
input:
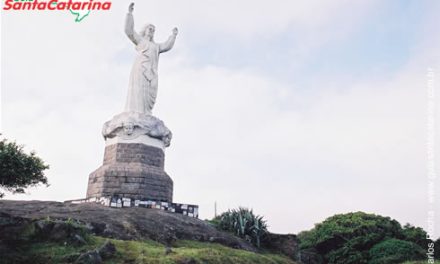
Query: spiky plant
[(243, 223)]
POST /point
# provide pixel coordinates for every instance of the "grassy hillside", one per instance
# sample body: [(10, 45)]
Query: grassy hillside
[(145, 252), (51, 232), (420, 262)]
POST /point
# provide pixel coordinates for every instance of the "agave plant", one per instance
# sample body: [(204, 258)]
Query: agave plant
[(243, 223)]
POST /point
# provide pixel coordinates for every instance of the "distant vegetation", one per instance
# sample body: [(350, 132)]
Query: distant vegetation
[(363, 238), (19, 170)]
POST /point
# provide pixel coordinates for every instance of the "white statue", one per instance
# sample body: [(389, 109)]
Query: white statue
[(136, 124), (142, 88)]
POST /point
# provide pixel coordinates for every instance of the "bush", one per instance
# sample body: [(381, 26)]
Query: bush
[(243, 223), (415, 234), (19, 170), (347, 238), (347, 255), (361, 229), (395, 251)]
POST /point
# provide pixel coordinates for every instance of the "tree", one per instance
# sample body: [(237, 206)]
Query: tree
[(19, 170)]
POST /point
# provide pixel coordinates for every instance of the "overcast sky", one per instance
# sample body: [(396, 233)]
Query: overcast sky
[(297, 109)]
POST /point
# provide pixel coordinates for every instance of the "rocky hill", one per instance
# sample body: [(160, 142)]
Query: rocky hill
[(82, 229)]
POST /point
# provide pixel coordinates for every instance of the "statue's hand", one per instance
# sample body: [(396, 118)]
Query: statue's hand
[(131, 8), (175, 31)]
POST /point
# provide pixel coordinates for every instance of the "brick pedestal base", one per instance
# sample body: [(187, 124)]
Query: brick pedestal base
[(132, 170)]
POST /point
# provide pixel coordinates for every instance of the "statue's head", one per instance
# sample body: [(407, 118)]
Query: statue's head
[(148, 31)]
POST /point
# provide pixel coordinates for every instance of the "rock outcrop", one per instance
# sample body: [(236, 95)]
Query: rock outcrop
[(120, 223)]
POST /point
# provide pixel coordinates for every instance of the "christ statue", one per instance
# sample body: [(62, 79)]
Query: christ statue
[(142, 87)]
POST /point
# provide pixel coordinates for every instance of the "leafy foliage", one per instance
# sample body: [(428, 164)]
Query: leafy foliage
[(243, 223), (347, 238), (19, 170), (437, 247), (414, 234), (395, 251), (347, 255)]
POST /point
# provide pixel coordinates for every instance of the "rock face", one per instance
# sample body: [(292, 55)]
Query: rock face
[(284, 244), (132, 170), (98, 255), (121, 223), (310, 256), (107, 250), (91, 257)]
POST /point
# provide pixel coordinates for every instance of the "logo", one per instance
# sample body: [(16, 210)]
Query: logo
[(79, 8)]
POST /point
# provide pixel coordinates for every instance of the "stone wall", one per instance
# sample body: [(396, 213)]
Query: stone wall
[(134, 171), (134, 153)]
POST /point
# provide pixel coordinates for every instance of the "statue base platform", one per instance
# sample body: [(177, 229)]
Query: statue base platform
[(190, 210), (132, 169)]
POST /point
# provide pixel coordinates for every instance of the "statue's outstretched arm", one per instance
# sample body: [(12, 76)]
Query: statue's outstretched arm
[(129, 26), (167, 45)]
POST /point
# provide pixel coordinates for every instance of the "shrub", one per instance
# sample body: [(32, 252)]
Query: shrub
[(347, 255), (395, 251), (415, 234), (347, 238), (361, 229), (243, 223)]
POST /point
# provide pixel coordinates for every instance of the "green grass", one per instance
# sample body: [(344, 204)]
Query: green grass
[(139, 252), (420, 262)]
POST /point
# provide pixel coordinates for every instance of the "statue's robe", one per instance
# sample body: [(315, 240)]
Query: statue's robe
[(142, 87)]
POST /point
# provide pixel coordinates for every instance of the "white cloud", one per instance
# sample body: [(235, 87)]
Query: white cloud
[(235, 144)]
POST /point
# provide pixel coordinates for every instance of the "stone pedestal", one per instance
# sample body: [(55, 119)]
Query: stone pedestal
[(132, 170), (134, 158)]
